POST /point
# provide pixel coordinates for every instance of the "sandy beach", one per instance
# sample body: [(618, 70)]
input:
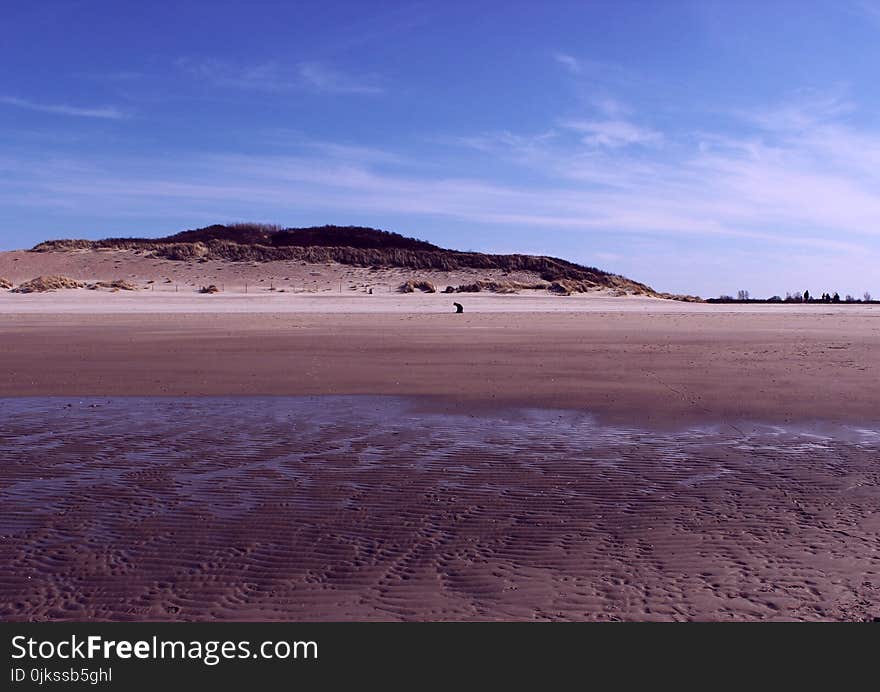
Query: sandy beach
[(368, 457), (375, 508), (636, 360)]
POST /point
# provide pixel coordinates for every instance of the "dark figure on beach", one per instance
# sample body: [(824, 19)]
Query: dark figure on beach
[(458, 307)]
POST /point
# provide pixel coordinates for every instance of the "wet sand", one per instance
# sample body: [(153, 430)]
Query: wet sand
[(654, 461), (383, 508), (648, 367)]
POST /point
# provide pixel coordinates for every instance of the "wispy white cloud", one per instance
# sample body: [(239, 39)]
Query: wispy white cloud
[(798, 175), (610, 107), (804, 197), (690, 203), (272, 76), (612, 133), (571, 63), (805, 111), (524, 149), (325, 78), (594, 72), (290, 138), (111, 76), (266, 76), (107, 112)]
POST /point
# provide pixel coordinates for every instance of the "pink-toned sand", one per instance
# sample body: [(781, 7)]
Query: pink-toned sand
[(372, 508), (643, 367), (164, 276), (484, 523)]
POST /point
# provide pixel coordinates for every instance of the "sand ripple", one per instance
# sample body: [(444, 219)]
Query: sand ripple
[(380, 508)]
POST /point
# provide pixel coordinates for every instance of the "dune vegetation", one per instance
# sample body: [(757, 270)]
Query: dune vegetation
[(360, 247)]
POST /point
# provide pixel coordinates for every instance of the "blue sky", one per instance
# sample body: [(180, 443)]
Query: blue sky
[(701, 147)]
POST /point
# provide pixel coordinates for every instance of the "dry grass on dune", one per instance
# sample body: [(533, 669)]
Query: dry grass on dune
[(211, 249), (412, 286), (117, 285), (5, 283), (41, 284), (352, 246), (498, 287), (684, 298), (489, 286)]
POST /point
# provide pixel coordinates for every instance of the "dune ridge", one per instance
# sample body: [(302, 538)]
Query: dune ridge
[(354, 246)]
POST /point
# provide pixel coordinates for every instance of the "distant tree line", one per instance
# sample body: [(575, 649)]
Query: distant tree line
[(743, 296)]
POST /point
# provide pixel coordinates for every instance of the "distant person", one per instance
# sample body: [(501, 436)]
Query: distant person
[(458, 307)]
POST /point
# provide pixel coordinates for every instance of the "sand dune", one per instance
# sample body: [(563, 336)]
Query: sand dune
[(166, 276)]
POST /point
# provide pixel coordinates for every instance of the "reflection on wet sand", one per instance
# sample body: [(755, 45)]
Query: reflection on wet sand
[(380, 508)]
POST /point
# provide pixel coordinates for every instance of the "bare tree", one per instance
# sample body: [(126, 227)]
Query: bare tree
[(866, 296), (742, 295)]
